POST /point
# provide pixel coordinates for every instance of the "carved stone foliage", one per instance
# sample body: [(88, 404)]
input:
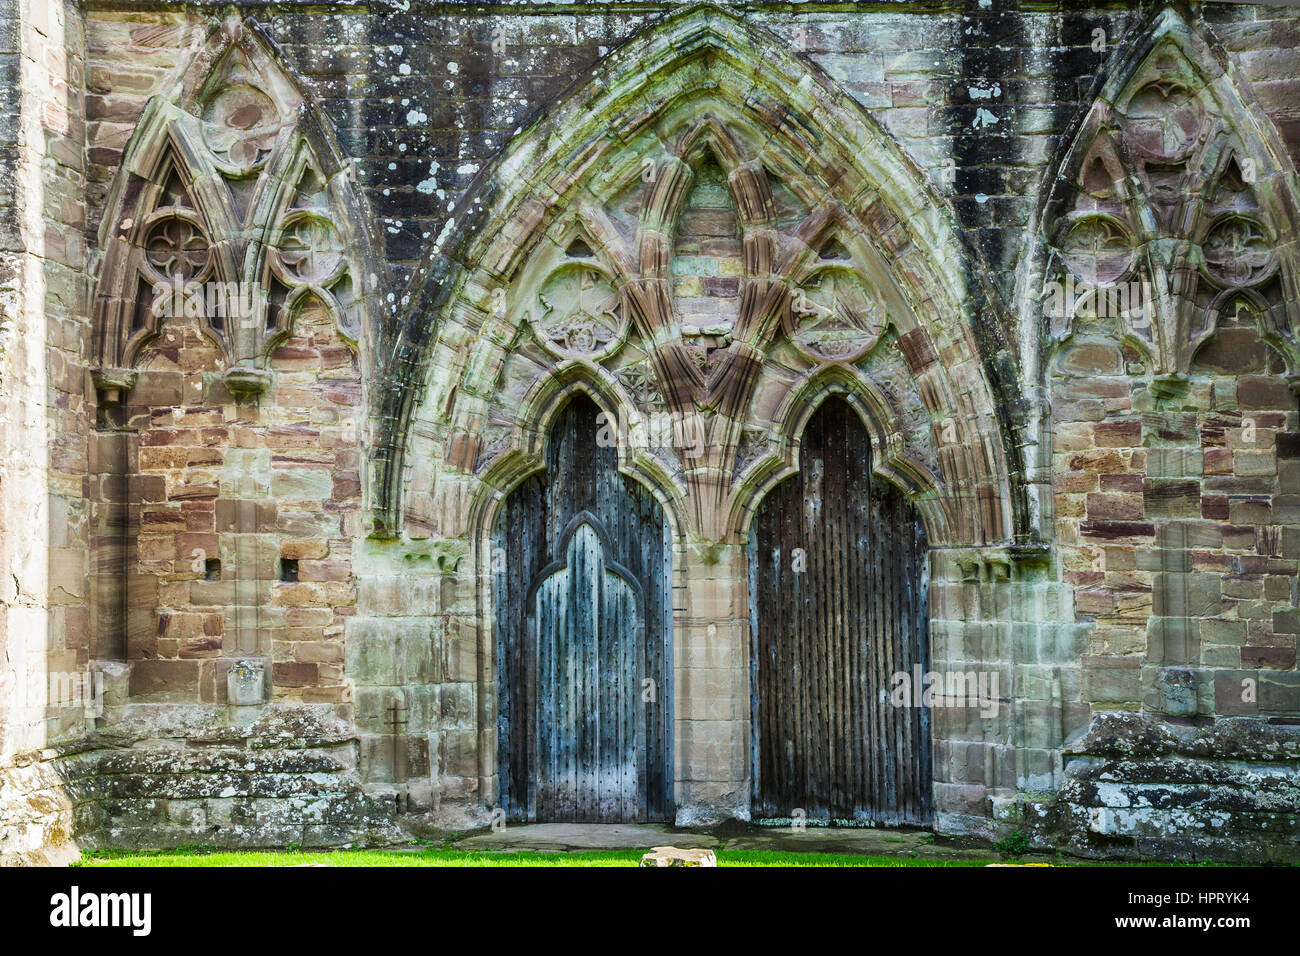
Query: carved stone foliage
[(834, 317), (577, 313), (232, 206), (1171, 210), (746, 231)]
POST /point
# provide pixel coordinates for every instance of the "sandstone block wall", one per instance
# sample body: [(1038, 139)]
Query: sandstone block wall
[(265, 544)]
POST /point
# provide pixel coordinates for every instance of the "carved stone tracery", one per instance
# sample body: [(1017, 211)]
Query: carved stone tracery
[(834, 317), (233, 207), (692, 237), (1173, 191), (578, 314)]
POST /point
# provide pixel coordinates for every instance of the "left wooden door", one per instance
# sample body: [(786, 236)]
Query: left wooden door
[(581, 566)]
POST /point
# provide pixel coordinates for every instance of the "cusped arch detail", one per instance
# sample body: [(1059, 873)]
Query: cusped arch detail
[(891, 459), (236, 170), (689, 84), (531, 436)]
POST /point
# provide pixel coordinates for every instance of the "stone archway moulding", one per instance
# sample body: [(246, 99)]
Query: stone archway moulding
[(700, 84), (235, 204)]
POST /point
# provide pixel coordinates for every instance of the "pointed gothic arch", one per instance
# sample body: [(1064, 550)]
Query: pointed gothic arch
[(890, 460), (530, 447), (234, 203), (839, 607), (636, 127), (582, 623), (1173, 171)]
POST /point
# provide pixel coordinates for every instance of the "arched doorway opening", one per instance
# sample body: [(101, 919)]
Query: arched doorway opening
[(838, 606), (581, 583)]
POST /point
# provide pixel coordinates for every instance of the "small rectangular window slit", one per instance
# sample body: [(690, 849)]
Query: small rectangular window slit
[(289, 569)]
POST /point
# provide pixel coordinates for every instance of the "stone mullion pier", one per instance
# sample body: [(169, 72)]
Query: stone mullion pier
[(114, 525), (248, 543), (997, 616), (1182, 595), (711, 683)]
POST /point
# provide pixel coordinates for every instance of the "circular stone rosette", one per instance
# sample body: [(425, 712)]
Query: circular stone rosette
[(1237, 252), (1098, 249), (309, 250), (834, 317), (176, 247), (578, 313)]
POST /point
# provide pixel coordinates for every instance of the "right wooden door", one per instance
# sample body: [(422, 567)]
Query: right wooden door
[(838, 582)]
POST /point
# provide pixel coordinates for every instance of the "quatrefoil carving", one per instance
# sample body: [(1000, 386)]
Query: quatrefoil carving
[(309, 251), (177, 247), (578, 313), (834, 317)]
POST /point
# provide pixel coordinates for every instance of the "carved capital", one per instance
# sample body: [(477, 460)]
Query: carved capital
[(112, 384), (244, 382)]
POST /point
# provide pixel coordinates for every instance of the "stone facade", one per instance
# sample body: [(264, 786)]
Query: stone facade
[(290, 295)]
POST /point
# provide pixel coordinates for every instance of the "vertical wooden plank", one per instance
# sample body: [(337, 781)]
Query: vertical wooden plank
[(575, 741), (827, 643)]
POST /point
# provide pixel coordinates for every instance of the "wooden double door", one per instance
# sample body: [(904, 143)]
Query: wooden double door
[(581, 576), (838, 582)]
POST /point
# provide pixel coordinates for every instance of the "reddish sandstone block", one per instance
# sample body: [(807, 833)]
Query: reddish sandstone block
[(327, 695), (318, 652), (163, 458), (1100, 461), (161, 518), (200, 648), (197, 547), (1125, 434), (1233, 696), (157, 548), (346, 485), (1273, 657), (1074, 482), (1128, 482), (194, 492), (326, 570), (304, 549), (1094, 601), (1215, 507), (1263, 391), (308, 617), (204, 458), (1122, 506), (1117, 530), (293, 673), (199, 516)]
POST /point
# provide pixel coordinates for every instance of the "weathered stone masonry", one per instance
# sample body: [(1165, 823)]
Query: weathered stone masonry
[(261, 527)]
